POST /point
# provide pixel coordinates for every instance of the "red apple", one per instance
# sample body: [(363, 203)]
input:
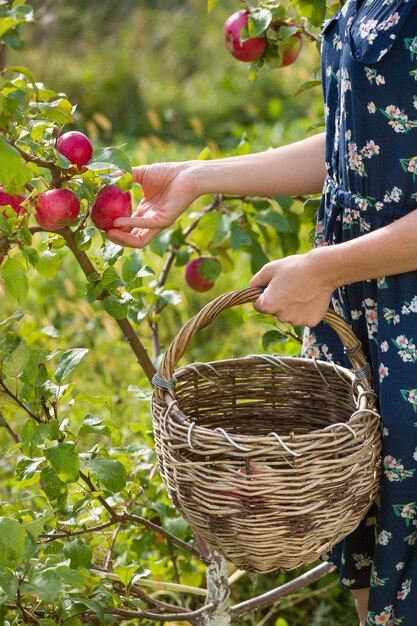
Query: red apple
[(201, 273), (76, 147), (14, 201), (56, 208), (291, 47), (251, 49), (110, 203)]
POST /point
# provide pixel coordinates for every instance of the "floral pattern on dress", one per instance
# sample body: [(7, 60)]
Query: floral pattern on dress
[(369, 73)]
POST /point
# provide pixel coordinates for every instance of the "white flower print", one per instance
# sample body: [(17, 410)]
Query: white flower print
[(383, 372), (405, 589), (348, 582), (407, 349), (371, 317), (371, 107), (391, 316), (394, 469), (372, 75), (383, 537), (384, 346), (410, 395), (362, 560), (399, 566), (394, 195), (409, 307)]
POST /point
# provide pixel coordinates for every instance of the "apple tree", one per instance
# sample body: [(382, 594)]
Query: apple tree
[(87, 534)]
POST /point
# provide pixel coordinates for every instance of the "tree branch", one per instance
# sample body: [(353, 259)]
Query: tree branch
[(156, 617), (6, 425), (19, 403), (272, 596), (124, 324)]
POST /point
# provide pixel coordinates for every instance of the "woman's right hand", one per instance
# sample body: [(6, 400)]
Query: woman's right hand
[(168, 190)]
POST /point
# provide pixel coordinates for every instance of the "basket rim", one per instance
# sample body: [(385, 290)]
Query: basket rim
[(188, 428)]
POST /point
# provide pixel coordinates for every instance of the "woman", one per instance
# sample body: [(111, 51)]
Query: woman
[(364, 262)]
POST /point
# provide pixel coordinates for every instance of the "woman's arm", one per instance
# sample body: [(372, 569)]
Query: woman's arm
[(170, 188), (295, 169), (299, 287)]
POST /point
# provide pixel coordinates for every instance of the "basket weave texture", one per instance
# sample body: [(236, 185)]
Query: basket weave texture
[(271, 460)]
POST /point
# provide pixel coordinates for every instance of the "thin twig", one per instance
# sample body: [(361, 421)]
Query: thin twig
[(157, 617), (19, 403), (110, 552), (74, 533), (9, 428)]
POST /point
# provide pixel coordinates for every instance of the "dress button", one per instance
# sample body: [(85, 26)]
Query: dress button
[(358, 54)]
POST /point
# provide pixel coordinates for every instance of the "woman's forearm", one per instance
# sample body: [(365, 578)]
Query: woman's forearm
[(295, 169), (383, 252)]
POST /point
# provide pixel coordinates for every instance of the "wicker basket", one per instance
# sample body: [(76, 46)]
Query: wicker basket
[(271, 460)]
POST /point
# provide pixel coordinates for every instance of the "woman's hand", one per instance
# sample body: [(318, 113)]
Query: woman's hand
[(296, 289), (168, 190)]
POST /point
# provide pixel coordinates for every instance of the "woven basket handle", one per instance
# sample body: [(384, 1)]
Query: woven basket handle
[(207, 314)]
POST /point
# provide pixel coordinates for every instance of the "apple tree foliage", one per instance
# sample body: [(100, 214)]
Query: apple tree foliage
[(86, 529)]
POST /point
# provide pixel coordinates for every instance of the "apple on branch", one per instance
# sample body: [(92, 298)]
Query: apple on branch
[(287, 41), (201, 273), (110, 203), (249, 50), (76, 147), (56, 208), (7, 199)]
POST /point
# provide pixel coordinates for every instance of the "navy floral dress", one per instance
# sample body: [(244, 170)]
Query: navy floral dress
[(369, 66)]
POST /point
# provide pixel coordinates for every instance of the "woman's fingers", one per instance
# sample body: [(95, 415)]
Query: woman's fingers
[(136, 239)]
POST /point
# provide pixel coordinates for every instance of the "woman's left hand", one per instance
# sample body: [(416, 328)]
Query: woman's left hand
[(296, 289)]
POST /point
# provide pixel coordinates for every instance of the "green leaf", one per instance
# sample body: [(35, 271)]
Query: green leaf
[(15, 278), (310, 208), (92, 605), (313, 10), (26, 468), (209, 268), (64, 460), (112, 474), (12, 542), (110, 278), (14, 364), (131, 266), (239, 237), (79, 553), (111, 252), (8, 586), (68, 361), (258, 256), (125, 573), (112, 159), (16, 317), (258, 22), (116, 307), (271, 337), (49, 264), (54, 488), (93, 424), (309, 84), (211, 4), (59, 110), (84, 237), (274, 219)]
